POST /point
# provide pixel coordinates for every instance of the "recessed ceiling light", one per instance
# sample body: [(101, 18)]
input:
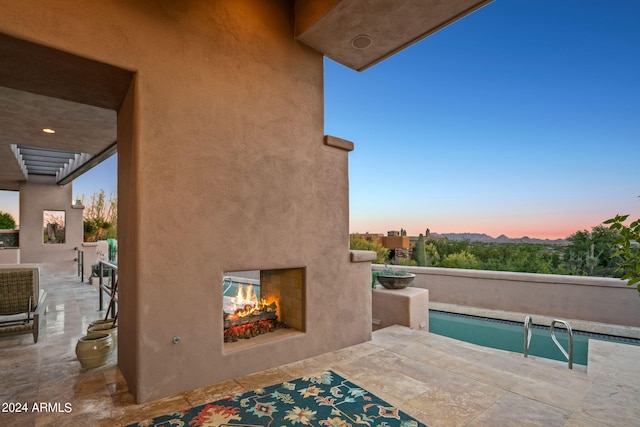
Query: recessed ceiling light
[(361, 42), (48, 130)]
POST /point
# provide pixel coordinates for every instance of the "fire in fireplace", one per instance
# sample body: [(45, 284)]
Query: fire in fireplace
[(257, 302), (245, 313)]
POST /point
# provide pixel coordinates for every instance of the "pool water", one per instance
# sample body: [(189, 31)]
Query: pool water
[(507, 335)]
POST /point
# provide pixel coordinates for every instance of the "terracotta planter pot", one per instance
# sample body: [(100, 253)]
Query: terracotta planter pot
[(93, 349)]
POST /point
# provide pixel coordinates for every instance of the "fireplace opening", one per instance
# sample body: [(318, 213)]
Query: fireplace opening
[(260, 305), (246, 313)]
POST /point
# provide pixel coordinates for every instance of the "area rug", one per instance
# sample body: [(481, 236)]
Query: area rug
[(326, 399)]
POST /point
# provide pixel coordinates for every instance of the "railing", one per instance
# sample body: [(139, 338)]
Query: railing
[(111, 289), (528, 325), (568, 355), (80, 261)]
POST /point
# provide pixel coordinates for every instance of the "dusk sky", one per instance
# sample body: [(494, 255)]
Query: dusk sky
[(522, 118)]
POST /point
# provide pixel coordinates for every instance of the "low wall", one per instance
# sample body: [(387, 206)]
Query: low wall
[(594, 299), (9, 255)]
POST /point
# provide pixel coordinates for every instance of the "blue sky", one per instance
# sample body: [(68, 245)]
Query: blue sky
[(522, 118)]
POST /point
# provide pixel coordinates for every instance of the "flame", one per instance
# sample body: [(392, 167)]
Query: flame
[(243, 299), (246, 302)]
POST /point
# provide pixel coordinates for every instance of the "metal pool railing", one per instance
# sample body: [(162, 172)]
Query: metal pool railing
[(528, 323), (568, 354)]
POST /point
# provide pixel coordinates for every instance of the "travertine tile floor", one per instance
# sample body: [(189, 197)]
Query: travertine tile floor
[(441, 382)]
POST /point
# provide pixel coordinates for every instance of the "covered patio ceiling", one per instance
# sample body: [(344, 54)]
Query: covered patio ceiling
[(41, 135), (43, 88)]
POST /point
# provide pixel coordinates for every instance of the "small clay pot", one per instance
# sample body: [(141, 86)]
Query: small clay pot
[(94, 349)]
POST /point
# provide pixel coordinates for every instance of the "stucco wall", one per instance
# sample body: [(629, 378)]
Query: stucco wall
[(596, 299), (222, 167), (36, 196), (9, 256)]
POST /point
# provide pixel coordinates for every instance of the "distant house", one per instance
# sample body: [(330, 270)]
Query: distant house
[(398, 245)]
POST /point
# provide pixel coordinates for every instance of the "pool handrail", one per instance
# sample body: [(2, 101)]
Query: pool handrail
[(528, 323), (568, 355)]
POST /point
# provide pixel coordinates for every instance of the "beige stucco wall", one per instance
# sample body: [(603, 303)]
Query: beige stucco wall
[(222, 167), (36, 196), (9, 256), (595, 299)]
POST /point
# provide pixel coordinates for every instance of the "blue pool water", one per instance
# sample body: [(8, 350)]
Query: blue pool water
[(506, 335)]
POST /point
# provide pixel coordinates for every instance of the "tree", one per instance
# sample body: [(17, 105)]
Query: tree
[(589, 253), (461, 259), (446, 247), (604, 245), (7, 222), (420, 256), (576, 253), (628, 249), (100, 217), (432, 255), (357, 242)]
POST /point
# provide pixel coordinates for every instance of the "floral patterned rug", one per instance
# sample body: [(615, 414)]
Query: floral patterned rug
[(322, 400)]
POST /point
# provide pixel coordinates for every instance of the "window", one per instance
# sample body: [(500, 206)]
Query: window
[(54, 227)]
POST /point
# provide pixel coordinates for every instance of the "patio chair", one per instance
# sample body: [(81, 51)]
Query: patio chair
[(21, 302)]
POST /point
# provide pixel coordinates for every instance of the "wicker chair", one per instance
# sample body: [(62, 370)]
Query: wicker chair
[(21, 302)]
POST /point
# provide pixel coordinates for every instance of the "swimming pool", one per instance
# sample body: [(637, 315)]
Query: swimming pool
[(507, 335)]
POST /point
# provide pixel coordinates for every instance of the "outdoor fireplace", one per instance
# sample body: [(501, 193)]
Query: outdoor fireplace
[(257, 303)]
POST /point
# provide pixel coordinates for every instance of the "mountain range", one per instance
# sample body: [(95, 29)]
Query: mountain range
[(481, 237)]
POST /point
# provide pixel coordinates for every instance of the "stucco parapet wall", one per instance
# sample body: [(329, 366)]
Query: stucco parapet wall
[(340, 143), (363, 256), (514, 276)]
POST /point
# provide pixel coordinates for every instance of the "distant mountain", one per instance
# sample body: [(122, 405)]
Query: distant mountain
[(478, 237)]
